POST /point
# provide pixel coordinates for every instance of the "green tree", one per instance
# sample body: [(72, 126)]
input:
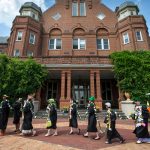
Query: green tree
[(132, 70)]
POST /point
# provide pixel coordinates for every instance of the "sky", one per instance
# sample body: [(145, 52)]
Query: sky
[(10, 8)]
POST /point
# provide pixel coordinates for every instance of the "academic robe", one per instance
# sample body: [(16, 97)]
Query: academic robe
[(92, 121), (4, 114), (17, 112), (27, 120), (73, 120), (110, 120), (52, 116)]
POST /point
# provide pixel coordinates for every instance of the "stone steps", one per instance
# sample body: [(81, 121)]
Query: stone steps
[(61, 114)]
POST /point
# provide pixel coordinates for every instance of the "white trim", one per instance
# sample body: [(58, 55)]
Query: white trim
[(141, 37), (21, 32), (55, 41), (79, 40), (126, 36), (102, 43), (84, 8), (76, 8)]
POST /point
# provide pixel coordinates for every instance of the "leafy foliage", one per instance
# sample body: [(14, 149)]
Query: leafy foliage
[(132, 70), (19, 78)]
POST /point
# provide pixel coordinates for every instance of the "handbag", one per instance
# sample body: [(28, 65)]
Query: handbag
[(48, 123)]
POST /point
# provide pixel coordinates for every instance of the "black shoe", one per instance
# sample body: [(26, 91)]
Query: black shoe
[(122, 141)]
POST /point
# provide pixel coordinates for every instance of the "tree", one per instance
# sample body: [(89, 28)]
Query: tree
[(21, 77), (132, 70)]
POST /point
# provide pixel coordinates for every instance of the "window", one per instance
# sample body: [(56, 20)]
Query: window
[(79, 44), (32, 38), (126, 38), (19, 36), (78, 9), (101, 16), (103, 44), (54, 44), (29, 53), (139, 36), (16, 52)]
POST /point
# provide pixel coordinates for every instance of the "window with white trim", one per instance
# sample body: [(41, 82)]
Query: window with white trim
[(29, 53), (126, 38), (139, 36), (103, 44), (19, 36), (79, 43), (16, 53), (78, 8), (55, 44), (32, 38)]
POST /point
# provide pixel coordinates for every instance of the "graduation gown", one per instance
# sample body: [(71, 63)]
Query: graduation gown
[(4, 114), (27, 120), (73, 120), (110, 120), (52, 116), (17, 112), (92, 121)]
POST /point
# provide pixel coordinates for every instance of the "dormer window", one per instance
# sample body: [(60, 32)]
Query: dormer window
[(78, 8)]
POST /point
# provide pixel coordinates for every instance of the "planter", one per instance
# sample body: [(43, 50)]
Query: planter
[(127, 107)]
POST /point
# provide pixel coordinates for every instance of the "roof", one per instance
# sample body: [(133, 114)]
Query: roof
[(127, 4), (31, 5), (3, 39)]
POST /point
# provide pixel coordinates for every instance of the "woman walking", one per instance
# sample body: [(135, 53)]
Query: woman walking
[(52, 117)]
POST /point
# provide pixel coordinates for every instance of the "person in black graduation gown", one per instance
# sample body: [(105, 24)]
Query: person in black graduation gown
[(28, 111), (92, 118), (141, 124), (73, 114), (52, 116), (110, 121), (17, 107), (4, 114)]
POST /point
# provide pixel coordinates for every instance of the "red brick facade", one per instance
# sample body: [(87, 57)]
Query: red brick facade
[(67, 65)]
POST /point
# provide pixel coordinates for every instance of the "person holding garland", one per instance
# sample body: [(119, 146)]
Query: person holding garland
[(110, 121), (92, 118), (52, 117)]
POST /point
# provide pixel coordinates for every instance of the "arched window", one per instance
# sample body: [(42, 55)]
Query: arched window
[(79, 41), (102, 39), (55, 41)]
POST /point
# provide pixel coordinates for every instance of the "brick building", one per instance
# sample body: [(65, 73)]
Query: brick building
[(73, 40)]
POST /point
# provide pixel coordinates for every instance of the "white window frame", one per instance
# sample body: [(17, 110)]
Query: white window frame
[(126, 37), (15, 52), (75, 3), (84, 8), (79, 46), (30, 38), (19, 36), (102, 43), (55, 46), (137, 37)]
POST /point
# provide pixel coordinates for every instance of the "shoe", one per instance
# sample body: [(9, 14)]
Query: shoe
[(55, 134), (122, 141), (48, 134), (34, 133), (97, 138), (107, 142), (138, 142), (85, 135), (71, 133)]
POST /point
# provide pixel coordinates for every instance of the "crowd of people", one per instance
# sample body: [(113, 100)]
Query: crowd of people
[(26, 111)]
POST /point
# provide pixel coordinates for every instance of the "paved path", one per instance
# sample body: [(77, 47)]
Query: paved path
[(69, 142)]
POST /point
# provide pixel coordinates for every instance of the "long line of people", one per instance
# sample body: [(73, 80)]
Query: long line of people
[(26, 110)]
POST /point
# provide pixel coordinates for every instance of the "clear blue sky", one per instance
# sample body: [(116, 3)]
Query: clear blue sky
[(10, 8)]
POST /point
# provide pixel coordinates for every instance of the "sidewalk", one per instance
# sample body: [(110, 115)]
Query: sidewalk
[(69, 142)]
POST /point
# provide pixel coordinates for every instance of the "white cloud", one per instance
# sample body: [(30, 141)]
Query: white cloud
[(10, 8)]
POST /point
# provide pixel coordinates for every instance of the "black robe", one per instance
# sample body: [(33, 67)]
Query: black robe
[(17, 112), (52, 116), (73, 120), (111, 127), (142, 131), (4, 114), (92, 121), (28, 114)]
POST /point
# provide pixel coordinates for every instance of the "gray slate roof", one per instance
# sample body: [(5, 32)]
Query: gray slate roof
[(3, 39)]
